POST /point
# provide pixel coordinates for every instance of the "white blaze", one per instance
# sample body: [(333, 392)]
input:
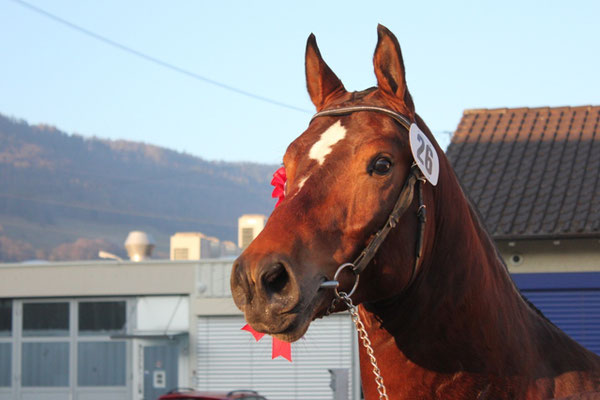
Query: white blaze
[(322, 147), (301, 183)]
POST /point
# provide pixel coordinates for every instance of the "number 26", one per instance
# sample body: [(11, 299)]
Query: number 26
[(428, 162)]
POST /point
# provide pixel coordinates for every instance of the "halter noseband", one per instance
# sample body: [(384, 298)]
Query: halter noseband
[(413, 181)]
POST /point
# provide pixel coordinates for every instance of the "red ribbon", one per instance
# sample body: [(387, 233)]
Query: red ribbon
[(278, 347), (279, 179)]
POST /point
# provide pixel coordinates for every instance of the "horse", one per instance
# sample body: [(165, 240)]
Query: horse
[(444, 318)]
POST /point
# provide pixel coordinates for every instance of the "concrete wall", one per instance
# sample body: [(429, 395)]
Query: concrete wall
[(97, 278), (572, 255)]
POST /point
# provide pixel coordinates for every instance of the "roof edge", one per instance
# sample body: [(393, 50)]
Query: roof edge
[(506, 109), (591, 235)]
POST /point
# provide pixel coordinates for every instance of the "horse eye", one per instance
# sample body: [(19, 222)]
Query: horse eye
[(381, 166)]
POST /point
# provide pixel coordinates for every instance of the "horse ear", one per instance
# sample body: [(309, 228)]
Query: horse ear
[(321, 82), (389, 68)]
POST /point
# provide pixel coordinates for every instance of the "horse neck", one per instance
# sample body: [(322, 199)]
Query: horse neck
[(463, 312), (488, 323)]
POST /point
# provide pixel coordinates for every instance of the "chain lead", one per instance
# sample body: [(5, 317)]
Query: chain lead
[(362, 333)]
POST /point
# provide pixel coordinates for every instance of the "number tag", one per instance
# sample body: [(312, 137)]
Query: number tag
[(424, 154)]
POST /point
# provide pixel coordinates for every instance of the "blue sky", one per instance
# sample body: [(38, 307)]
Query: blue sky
[(458, 55)]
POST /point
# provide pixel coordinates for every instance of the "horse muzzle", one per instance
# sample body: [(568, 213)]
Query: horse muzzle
[(268, 293)]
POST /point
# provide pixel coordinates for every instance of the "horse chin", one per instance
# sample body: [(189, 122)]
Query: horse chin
[(297, 323), (289, 328), (301, 324), (293, 333)]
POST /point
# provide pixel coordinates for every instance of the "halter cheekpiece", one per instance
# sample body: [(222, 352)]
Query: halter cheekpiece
[(414, 182)]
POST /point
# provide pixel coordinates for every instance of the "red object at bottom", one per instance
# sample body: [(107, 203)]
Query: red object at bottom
[(278, 347)]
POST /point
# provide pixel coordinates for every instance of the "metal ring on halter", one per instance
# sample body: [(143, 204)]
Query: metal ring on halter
[(335, 278)]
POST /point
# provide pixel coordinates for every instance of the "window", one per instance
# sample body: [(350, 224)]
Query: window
[(5, 317), (101, 363), (101, 317), (45, 364), (5, 364), (180, 253), (45, 319)]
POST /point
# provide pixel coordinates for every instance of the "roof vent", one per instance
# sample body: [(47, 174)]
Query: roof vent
[(139, 245)]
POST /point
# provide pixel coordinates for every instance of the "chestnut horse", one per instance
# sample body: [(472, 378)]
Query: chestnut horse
[(450, 324)]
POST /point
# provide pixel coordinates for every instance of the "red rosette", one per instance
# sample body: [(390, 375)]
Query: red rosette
[(278, 181)]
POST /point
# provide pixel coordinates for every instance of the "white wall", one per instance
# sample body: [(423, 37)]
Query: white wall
[(162, 314)]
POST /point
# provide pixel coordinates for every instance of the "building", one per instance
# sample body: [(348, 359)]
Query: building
[(534, 175), (249, 226), (134, 330), (73, 330), (196, 246)]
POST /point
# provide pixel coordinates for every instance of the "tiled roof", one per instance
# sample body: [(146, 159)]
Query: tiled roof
[(532, 172)]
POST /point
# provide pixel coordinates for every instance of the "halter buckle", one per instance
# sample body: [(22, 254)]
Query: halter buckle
[(335, 283), (330, 284)]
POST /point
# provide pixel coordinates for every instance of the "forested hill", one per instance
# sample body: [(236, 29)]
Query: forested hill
[(62, 196)]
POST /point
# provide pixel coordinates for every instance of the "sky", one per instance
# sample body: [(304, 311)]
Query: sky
[(167, 77)]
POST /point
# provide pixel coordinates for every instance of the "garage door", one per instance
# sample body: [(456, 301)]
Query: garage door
[(570, 300), (577, 312), (229, 359)]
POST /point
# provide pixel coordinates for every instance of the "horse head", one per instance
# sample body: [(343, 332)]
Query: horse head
[(345, 174)]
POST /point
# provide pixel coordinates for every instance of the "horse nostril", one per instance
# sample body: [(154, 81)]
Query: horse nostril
[(241, 288), (275, 279), (236, 274)]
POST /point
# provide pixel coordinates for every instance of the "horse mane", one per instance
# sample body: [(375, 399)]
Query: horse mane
[(482, 228), (477, 218)]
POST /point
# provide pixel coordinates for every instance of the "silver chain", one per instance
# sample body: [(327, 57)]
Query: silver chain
[(364, 336)]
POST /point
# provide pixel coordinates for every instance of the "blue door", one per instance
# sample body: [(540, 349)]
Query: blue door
[(160, 370), (570, 300)]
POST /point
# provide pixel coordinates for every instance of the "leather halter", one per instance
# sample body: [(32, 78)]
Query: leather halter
[(348, 110), (414, 180)]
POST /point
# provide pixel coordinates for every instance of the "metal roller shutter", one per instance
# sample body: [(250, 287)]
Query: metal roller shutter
[(577, 312), (229, 358), (570, 300)]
